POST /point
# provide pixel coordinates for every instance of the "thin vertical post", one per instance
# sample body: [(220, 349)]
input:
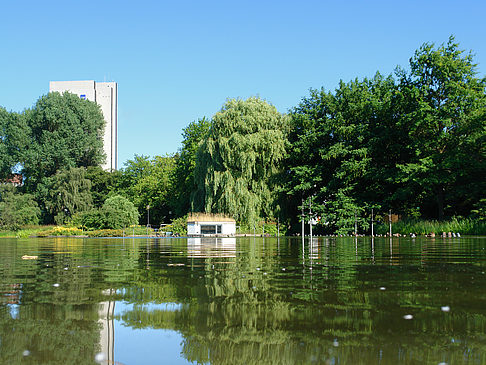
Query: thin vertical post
[(390, 221), (355, 225), (303, 223), (372, 232), (310, 218)]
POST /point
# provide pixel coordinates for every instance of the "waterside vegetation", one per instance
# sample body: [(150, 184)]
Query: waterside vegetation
[(412, 143)]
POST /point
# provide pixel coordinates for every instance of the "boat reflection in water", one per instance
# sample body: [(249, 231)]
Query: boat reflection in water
[(211, 247)]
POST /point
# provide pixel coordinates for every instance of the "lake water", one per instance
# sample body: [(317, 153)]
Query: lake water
[(243, 301)]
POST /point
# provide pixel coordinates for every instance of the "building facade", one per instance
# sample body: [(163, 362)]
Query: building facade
[(211, 227), (105, 94)]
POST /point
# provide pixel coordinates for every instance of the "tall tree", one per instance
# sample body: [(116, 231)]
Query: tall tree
[(14, 139), (147, 182), (446, 126), (342, 151), (239, 161), (103, 183), (65, 132), (183, 184)]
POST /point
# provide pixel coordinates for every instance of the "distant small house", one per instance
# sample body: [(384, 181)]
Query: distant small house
[(15, 180), (210, 225)]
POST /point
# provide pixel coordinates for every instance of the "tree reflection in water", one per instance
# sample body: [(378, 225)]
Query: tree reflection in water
[(233, 302)]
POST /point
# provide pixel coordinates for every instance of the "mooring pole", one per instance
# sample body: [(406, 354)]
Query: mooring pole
[(372, 232), (310, 218), (303, 223), (390, 221)]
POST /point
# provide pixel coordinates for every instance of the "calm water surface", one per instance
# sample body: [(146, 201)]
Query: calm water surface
[(243, 301)]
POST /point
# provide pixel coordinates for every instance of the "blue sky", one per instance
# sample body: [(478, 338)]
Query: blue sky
[(176, 62)]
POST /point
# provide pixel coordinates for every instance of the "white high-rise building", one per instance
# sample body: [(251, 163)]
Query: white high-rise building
[(105, 94)]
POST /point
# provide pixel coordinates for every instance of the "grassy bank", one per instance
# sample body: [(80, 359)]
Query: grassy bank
[(52, 231), (464, 226)]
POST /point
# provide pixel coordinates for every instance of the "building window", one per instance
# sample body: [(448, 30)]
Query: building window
[(208, 229)]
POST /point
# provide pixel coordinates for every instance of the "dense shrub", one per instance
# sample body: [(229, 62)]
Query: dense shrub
[(177, 227), (116, 213), (17, 210), (119, 212)]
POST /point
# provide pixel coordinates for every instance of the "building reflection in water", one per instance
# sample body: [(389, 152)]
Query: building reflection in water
[(107, 329), (211, 247)]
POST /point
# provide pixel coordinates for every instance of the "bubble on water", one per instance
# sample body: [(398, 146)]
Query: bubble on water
[(283, 269), (254, 287), (100, 357), (442, 363), (264, 273), (258, 269), (407, 316), (26, 353), (382, 288), (66, 268), (335, 343), (56, 285), (445, 308)]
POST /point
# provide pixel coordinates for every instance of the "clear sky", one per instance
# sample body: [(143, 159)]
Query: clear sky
[(178, 61)]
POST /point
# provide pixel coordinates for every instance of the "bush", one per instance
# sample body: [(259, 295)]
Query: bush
[(177, 227), (60, 231), (117, 213), (106, 233), (17, 210)]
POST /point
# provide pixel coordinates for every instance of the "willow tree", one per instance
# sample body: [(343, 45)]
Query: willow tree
[(238, 163)]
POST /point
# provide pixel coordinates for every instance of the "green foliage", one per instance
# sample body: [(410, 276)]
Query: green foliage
[(415, 146), (238, 164), (147, 182), (17, 210), (183, 184), (178, 226), (446, 128), (464, 226), (66, 193), (64, 132), (480, 210), (90, 219), (103, 184), (13, 141), (341, 152), (119, 212), (261, 228), (106, 233)]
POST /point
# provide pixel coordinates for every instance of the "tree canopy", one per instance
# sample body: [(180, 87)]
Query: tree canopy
[(412, 142), (238, 164), (64, 132), (446, 126)]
